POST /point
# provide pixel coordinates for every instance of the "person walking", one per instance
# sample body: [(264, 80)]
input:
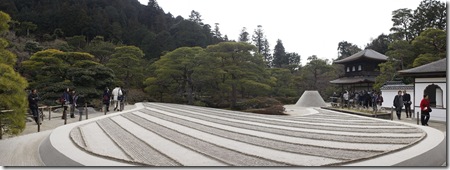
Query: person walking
[(72, 104), (407, 102), (65, 101), (78, 102), (374, 102), (425, 110), (106, 98), (380, 100), (398, 104), (33, 99), (116, 93), (122, 99), (346, 97)]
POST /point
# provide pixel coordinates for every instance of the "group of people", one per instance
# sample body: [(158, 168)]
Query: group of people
[(400, 100), (71, 100), (404, 99), (373, 99), (364, 99), (117, 96)]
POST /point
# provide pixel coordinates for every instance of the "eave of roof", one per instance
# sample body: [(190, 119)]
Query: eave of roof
[(397, 87), (353, 80), (367, 53), (436, 68)]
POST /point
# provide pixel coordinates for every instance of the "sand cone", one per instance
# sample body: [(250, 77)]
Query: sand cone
[(311, 99)]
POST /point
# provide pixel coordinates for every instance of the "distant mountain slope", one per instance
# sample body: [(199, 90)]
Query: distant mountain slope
[(121, 21)]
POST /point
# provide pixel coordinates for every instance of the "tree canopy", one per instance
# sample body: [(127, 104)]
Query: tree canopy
[(13, 96)]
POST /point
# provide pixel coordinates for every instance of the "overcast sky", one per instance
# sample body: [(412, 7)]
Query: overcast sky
[(307, 27)]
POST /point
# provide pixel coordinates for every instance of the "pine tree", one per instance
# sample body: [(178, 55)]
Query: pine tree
[(262, 44), (243, 37), (12, 88), (279, 56)]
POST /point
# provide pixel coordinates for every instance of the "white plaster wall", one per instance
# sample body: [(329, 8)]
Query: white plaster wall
[(419, 88), (389, 95), (437, 80)]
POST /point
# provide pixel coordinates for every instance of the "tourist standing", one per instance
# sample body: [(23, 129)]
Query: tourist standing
[(380, 100), (374, 102), (116, 93), (106, 98), (425, 110), (33, 99), (72, 104), (65, 101), (407, 102), (78, 102), (346, 97), (398, 104)]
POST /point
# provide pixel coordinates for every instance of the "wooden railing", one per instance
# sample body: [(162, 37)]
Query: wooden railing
[(41, 115)]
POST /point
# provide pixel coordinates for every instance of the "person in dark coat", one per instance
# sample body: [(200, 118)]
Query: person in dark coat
[(407, 102), (65, 101), (78, 101), (106, 99), (398, 104), (33, 99)]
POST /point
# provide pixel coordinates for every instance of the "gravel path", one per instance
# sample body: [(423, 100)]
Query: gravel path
[(31, 156)]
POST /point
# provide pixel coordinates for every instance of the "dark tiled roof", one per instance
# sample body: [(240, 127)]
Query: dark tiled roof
[(353, 80), (434, 68), (367, 53), (397, 87)]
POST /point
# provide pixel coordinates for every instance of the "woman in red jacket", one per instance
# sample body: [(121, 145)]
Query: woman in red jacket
[(425, 110)]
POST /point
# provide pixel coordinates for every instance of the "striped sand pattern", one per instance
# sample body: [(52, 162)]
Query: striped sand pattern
[(179, 135)]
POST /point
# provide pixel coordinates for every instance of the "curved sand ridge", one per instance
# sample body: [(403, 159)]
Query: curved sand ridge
[(179, 135)]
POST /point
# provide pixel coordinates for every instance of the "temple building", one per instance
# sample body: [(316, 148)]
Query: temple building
[(360, 70)]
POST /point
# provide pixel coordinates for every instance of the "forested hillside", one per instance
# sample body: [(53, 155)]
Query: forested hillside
[(118, 21)]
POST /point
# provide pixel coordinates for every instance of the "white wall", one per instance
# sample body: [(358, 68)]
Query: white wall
[(389, 95), (419, 88)]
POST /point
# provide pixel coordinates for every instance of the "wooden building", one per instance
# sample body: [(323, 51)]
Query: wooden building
[(360, 70)]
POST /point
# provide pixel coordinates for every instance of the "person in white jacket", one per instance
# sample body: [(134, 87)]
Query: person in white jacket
[(116, 93)]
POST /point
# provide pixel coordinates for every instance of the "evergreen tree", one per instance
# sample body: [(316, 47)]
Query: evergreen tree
[(380, 44), (216, 32), (243, 36), (262, 44), (294, 61), (346, 49), (127, 64), (12, 88), (196, 17), (258, 39), (402, 24), (280, 59), (429, 14), (431, 46), (241, 70)]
